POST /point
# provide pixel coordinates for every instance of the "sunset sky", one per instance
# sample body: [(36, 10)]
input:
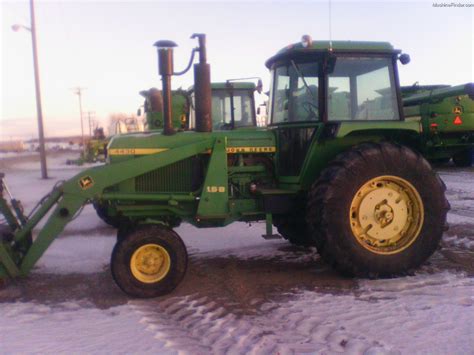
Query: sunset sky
[(107, 47)]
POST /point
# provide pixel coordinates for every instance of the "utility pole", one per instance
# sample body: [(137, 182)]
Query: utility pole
[(78, 92), (91, 119), (39, 111)]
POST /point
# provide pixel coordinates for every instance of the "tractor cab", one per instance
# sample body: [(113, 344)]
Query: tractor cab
[(233, 106), (318, 87)]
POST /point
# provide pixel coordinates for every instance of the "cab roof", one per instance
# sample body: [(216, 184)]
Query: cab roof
[(337, 46)]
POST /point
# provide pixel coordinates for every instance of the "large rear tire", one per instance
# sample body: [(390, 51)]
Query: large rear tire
[(149, 262), (377, 210)]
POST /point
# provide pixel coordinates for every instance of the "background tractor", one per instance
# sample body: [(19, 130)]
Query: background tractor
[(95, 149), (348, 179), (233, 106), (446, 114)]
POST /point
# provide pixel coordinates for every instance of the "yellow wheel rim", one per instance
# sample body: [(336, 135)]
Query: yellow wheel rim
[(386, 215), (150, 263)]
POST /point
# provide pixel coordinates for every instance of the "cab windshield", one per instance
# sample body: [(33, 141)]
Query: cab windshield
[(358, 88)]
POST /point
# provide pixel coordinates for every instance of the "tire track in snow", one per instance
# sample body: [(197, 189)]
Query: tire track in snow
[(323, 313), (233, 316)]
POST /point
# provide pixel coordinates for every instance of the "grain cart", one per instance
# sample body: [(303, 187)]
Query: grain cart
[(346, 180), (446, 114)]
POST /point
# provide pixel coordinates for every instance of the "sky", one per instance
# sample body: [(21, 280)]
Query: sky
[(107, 48)]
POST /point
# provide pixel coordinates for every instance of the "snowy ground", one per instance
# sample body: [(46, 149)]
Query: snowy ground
[(241, 294)]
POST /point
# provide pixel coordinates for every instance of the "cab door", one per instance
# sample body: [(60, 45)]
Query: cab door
[(295, 114)]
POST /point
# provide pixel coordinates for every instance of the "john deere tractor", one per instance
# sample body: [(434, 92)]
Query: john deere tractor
[(338, 167), (233, 106)]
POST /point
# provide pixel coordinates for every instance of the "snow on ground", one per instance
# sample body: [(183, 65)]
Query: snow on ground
[(72, 327), (241, 294)]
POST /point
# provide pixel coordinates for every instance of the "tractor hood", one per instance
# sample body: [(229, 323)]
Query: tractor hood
[(246, 141)]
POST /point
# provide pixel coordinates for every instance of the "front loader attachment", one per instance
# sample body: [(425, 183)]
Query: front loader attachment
[(19, 252)]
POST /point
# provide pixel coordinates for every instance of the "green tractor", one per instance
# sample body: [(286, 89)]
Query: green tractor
[(349, 181), (95, 149), (233, 106), (153, 108), (446, 114)]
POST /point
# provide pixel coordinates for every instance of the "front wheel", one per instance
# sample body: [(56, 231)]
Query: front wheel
[(377, 210), (149, 261)]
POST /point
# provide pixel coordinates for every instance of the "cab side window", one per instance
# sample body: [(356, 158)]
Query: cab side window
[(362, 89)]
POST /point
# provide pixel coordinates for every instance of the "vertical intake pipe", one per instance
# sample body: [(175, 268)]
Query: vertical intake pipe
[(202, 88), (165, 69)]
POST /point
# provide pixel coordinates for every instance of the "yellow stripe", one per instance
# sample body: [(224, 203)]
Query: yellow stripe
[(135, 151), (229, 150)]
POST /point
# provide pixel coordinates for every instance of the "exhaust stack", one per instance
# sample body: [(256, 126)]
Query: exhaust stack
[(202, 87), (165, 69)]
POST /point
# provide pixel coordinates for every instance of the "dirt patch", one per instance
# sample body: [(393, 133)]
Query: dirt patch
[(241, 285)]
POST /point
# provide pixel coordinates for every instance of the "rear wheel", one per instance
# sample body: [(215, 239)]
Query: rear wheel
[(464, 158), (378, 209), (149, 262)]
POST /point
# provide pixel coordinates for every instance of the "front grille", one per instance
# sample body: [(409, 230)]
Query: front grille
[(176, 177)]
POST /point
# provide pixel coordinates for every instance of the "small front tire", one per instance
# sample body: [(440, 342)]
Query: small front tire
[(150, 261)]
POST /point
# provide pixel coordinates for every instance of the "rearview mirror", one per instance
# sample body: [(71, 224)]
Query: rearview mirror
[(139, 112), (259, 86)]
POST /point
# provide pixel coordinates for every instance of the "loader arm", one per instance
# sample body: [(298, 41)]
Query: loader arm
[(18, 256)]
